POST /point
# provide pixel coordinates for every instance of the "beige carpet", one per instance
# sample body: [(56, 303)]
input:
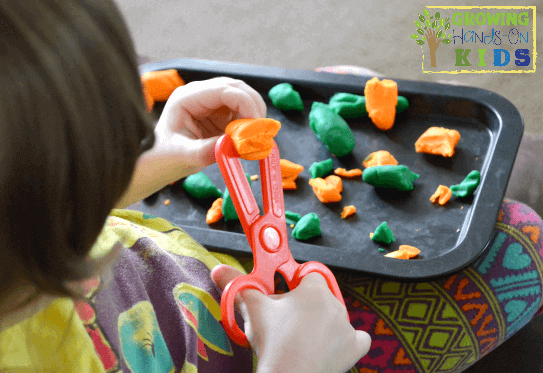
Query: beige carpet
[(306, 34)]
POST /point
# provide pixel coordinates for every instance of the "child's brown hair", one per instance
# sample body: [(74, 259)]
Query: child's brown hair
[(72, 125)]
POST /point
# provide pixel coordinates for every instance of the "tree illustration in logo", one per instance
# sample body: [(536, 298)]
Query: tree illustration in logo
[(429, 30)]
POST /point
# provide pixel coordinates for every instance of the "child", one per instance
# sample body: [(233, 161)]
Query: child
[(84, 292)]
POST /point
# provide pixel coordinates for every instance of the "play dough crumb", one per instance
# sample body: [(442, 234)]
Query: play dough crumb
[(167, 202), (441, 195), (214, 214), (321, 169), (289, 173), (284, 97), (328, 189), (383, 234), (254, 177), (159, 85), (309, 226), (253, 137), (292, 225), (348, 211), (355, 172), (381, 101), (379, 158), (439, 141)]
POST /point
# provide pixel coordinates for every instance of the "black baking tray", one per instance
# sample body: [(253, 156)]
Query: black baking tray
[(450, 237)]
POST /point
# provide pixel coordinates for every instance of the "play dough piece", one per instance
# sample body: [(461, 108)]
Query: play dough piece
[(228, 209), (292, 217), (307, 227), (381, 101), (284, 97), (321, 169), (438, 140), (468, 186), (253, 137), (289, 173), (348, 105), (398, 177), (379, 158), (159, 85), (200, 186), (327, 190), (331, 129), (383, 234), (355, 172), (348, 211), (398, 254), (214, 214), (403, 104), (442, 195)]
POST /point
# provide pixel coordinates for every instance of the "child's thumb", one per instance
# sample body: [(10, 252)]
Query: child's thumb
[(223, 274)]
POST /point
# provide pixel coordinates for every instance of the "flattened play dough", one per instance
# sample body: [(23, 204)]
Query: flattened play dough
[(309, 226), (383, 234), (284, 97), (321, 169), (200, 186), (398, 177), (468, 186), (348, 105), (331, 129)]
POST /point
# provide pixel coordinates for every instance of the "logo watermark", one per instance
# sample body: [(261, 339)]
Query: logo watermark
[(477, 39)]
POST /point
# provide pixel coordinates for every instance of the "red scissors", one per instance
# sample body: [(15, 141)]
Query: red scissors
[(267, 234)]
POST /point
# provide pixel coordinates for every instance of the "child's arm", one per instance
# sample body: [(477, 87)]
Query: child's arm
[(305, 330), (193, 119)]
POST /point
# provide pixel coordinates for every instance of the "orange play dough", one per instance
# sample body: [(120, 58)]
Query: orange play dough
[(253, 138), (328, 189), (379, 158), (438, 140), (289, 173), (381, 101), (159, 85), (442, 195)]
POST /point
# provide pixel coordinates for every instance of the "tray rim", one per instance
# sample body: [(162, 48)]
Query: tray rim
[(509, 131)]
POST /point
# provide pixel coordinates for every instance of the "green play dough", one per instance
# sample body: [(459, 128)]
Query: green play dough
[(308, 226), (292, 217), (348, 105), (331, 129), (284, 97), (383, 234), (398, 177), (228, 209), (200, 186), (403, 104), (468, 186), (321, 169)]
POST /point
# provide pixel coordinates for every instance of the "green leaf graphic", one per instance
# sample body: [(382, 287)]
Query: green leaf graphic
[(420, 42), (446, 41), (443, 36), (414, 36), (431, 17), (434, 24), (447, 26), (418, 24), (448, 36), (423, 38), (428, 24), (420, 31), (421, 18), (442, 22), (447, 19), (426, 28), (426, 13), (438, 15), (439, 33)]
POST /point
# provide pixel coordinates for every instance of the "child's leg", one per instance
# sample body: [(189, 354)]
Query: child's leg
[(449, 324)]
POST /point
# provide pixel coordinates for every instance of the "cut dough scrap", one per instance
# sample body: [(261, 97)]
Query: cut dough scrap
[(439, 141)]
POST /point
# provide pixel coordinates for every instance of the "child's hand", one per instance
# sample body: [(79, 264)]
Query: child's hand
[(305, 330), (196, 115)]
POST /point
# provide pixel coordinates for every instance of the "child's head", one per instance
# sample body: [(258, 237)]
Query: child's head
[(72, 124)]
